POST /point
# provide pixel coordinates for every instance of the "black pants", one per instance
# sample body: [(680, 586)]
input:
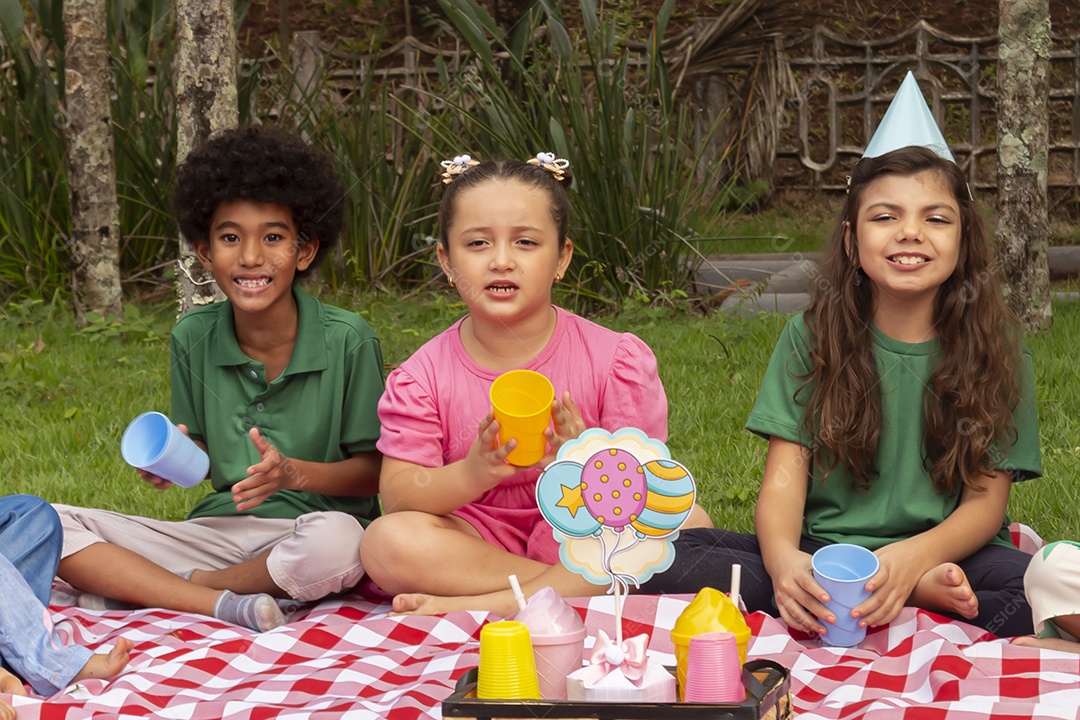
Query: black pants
[(703, 558)]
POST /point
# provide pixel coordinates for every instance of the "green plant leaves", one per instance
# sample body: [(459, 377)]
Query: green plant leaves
[(474, 23), (560, 39), (11, 20)]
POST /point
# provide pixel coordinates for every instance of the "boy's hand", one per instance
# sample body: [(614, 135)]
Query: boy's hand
[(274, 472), (159, 483), (486, 461), (799, 598)]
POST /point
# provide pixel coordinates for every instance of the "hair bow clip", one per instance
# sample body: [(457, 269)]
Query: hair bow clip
[(548, 161), (453, 168)]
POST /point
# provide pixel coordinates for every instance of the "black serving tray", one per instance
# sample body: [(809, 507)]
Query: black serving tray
[(768, 697)]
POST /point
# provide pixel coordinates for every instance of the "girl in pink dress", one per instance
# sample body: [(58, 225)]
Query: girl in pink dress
[(458, 518)]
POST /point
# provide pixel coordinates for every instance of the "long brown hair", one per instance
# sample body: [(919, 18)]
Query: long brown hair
[(974, 388)]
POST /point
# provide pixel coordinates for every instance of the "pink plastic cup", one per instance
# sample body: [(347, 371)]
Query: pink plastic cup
[(556, 657), (558, 638), (713, 671)]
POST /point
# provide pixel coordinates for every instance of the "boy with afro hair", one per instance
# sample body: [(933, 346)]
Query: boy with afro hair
[(280, 390)]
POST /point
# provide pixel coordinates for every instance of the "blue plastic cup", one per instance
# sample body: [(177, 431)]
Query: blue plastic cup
[(152, 443), (843, 570), (842, 637)]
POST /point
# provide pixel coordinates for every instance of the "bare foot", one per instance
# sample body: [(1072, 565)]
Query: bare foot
[(1048, 643), (416, 604), (106, 666), (501, 603), (10, 685), (945, 588), (423, 604)]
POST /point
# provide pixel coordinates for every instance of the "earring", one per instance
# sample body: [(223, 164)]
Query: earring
[(451, 281), (558, 278), (858, 278)]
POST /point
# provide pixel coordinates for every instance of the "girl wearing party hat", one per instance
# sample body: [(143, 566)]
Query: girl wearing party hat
[(899, 409)]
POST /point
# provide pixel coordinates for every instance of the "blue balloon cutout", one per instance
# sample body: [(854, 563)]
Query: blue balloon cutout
[(558, 495)]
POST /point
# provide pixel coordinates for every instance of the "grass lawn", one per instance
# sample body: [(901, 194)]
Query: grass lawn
[(67, 396)]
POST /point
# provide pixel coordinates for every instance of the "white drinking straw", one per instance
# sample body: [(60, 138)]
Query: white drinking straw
[(736, 579), (518, 595)]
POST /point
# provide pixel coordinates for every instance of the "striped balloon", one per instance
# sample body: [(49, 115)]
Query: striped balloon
[(668, 500)]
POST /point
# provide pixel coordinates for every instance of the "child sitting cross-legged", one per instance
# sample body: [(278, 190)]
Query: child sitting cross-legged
[(459, 517), (899, 410), (280, 390)]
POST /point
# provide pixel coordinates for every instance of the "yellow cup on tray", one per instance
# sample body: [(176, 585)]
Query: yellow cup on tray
[(507, 667), (522, 403)]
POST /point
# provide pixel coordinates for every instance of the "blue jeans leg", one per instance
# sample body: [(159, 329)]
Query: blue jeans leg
[(30, 543), (31, 538)]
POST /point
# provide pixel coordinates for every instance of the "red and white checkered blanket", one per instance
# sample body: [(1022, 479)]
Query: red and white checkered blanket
[(348, 658)]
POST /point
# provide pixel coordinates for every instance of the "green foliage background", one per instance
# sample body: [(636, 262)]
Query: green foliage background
[(639, 189)]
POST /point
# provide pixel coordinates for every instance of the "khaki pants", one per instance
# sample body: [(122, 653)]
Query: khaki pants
[(315, 555)]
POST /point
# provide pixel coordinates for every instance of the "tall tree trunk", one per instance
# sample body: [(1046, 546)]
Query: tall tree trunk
[(205, 70), (1023, 228), (91, 162)]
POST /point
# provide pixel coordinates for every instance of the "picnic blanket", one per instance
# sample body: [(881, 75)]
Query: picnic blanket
[(348, 658)]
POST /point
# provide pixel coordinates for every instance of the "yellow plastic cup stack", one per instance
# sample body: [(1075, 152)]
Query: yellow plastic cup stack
[(709, 611), (507, 668)]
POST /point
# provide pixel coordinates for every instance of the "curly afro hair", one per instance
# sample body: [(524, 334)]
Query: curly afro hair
[(262, 164)]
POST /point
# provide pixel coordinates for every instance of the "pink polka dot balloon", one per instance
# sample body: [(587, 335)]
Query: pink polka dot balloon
[(613, 487)]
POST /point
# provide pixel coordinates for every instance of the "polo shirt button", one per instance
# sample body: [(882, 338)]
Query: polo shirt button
[(260, 407), (254, 375)]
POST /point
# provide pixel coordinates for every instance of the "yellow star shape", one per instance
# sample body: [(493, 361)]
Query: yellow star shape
[(571, 499)]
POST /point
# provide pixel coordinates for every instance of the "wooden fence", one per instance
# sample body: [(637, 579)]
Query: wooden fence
[(844, 87), (835, 91)]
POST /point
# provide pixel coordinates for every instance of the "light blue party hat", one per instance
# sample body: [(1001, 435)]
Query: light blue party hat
[(908, 121)]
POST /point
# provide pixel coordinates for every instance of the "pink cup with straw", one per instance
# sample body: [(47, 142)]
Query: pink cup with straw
[(558, 638)]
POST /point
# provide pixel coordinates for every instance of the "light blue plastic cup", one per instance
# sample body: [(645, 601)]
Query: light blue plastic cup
[(843, 570), (152, 443), (842, 637)]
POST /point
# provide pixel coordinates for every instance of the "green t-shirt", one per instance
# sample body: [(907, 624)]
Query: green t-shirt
[(323, 407), (901, 501)]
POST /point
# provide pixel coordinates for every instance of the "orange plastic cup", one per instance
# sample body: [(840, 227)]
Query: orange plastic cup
[(522, 403)]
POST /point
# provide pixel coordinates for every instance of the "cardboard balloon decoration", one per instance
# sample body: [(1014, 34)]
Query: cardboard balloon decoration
[(615, 502)]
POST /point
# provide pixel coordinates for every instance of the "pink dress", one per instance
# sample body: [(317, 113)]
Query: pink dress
[(435, 400)]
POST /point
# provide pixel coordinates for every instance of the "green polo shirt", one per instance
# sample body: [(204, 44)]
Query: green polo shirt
[(322, 408), (901, 502)]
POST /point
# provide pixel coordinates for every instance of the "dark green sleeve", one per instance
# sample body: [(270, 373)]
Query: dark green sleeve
[(364, 387), (777, 411), (1024, 459), (181, 377)]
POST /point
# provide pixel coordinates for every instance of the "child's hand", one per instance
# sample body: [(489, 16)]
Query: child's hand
[(159, 483), (274, 472), (891, 586), (486, 461), (566, 420), (567, 424), (799, 598), (9, 685)]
